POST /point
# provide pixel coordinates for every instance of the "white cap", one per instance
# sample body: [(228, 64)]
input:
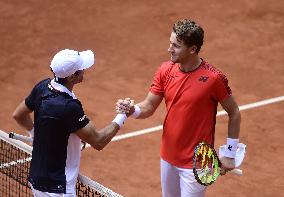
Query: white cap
[(66, 62)]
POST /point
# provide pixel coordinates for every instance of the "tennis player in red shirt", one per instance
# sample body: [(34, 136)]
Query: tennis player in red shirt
[(192, 89)]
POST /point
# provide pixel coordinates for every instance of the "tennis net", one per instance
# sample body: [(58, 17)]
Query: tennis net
[(15, 158)]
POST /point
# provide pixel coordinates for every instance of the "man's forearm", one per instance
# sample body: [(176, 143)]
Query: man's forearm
[(26, 122), (107, 133), (148, 107), (146, 110), (234, 125)]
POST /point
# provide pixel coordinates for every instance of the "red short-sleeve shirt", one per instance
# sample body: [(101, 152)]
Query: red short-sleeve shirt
[(191, 100)]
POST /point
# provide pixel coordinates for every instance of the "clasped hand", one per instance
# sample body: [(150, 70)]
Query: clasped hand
[(125, 106)]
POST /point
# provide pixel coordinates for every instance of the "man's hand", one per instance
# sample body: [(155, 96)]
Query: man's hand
[(125, 106), (227, 164)]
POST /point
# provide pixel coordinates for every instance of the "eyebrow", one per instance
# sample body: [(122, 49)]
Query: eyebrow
[(176, 44)]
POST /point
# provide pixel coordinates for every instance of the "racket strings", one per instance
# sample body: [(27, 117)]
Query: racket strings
[(209, 164)]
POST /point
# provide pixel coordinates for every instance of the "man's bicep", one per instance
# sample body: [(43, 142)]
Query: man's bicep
[(150, 103), (154, 99), (229, 104), (22, 109), (25, 108), (87, 133)]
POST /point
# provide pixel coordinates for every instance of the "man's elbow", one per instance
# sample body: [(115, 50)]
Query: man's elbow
[(16, 115), (235, 114), (98, 147)]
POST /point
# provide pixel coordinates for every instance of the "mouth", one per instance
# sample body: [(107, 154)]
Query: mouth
[(173, 56)]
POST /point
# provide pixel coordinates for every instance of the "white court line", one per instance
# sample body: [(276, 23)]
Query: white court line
[(219, 113)]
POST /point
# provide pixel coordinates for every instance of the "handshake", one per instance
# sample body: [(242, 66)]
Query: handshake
[(125, 108)]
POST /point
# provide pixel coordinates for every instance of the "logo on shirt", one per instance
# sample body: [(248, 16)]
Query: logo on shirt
[(83, 118), (203, 78), (173, 76), (50, 87)]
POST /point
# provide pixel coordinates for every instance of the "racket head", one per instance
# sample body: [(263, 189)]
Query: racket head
[(206, 164)]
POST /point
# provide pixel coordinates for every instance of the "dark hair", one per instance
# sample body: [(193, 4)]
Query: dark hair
[(63, 81), (189, 32)]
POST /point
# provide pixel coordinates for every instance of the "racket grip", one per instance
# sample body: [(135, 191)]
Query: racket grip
[(236, 171)]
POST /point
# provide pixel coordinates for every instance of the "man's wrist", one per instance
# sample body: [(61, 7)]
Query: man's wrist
[(231, 147), (137, 112), (119, 119)]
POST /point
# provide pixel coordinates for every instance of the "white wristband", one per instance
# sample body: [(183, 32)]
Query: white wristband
[(136, 112), (119, 119), (231, 147)]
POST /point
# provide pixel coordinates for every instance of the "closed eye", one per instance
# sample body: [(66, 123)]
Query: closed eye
[(175, 45)]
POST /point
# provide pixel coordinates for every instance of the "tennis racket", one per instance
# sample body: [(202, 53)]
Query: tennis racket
[(25, 138), (207, 166)]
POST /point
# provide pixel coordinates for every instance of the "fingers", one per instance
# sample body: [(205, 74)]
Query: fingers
[(227, 165), (222, 171), (124, 105), (11, 135), (132, 102)]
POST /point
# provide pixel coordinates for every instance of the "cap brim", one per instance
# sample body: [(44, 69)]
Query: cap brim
[(88, 59)]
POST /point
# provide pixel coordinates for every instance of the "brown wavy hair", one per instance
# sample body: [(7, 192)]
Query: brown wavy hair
[(189, 32)]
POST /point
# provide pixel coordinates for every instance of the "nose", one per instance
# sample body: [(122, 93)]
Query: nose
[(170, 49)]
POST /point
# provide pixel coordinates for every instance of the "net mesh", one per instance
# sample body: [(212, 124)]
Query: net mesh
[(15, 157)]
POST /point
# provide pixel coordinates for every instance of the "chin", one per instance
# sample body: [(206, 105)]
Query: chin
[(174, 60)]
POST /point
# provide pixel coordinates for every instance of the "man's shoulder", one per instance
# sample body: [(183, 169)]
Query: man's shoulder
[(212, 70), (42, 83), (167, 67), (73, 105), (40, 88)]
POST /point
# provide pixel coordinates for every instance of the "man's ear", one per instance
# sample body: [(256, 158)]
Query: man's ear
[(193, 49)]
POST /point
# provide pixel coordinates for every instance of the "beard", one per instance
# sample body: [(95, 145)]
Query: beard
[(174, 59)]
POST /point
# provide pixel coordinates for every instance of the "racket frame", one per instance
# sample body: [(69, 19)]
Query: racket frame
[(195, 158)]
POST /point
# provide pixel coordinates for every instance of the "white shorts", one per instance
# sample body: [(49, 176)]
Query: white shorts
[(38, 193), (179, 182)]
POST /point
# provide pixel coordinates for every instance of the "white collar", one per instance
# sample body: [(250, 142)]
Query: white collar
[(62, 88)]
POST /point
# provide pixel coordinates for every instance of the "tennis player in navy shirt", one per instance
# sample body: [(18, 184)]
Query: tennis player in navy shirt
[(59, 125)]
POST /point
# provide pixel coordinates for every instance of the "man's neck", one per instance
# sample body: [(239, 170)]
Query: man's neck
[(69, 86), (63, 88), (191, 64)]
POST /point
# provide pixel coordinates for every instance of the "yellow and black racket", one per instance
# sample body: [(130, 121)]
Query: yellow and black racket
[(207, 166)]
